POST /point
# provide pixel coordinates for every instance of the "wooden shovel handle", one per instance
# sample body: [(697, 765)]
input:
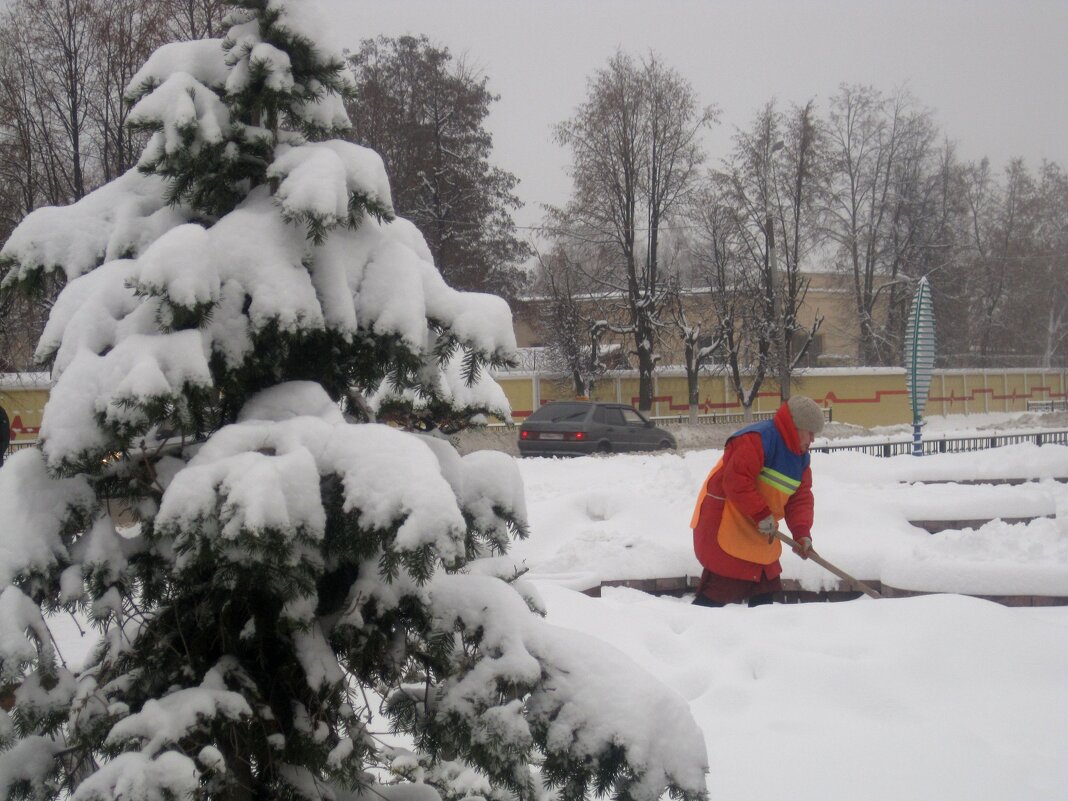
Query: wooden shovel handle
[(819, 560)]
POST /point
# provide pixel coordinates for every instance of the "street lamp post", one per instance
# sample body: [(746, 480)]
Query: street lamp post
[(773, 281)]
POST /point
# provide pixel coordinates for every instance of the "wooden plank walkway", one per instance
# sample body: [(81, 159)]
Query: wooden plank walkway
[(793, 593)]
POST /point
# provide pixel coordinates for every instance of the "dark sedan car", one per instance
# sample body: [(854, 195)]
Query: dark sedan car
[(574, 428)]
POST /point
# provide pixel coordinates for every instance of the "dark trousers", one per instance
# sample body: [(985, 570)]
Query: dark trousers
[(716, 590), (755, 600)]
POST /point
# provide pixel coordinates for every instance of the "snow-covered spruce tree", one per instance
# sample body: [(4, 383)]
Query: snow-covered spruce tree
[(292, 602)]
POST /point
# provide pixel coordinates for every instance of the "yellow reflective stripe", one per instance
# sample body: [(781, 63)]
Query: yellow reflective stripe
[(780, 481)]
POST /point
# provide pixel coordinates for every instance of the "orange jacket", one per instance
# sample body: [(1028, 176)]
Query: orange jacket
[(746, 486)]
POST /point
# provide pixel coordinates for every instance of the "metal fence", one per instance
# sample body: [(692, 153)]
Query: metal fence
[(18, 446), (950, 444), (1047, 406)]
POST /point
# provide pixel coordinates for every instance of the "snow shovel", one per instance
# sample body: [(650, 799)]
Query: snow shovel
[(819, 560)]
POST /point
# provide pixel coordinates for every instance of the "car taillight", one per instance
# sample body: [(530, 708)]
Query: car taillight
[(579, 435), (524, 434)]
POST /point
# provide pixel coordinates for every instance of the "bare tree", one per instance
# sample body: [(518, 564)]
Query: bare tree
[(775, 204), (20, 171), (801, 190), (1002, 224), (881, 149), (36, 160), (740, 311), (1017, 262), (574, 339), (64, 66), (941, 211), (193, 19), (1053, 275), (635, 159), (699, 347), (63, 60), (127, 32)]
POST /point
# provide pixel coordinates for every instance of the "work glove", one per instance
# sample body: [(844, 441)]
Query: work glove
[(803, 547), (768, 526)]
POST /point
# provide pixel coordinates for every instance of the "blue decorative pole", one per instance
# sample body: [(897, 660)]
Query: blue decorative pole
[(919, 357)]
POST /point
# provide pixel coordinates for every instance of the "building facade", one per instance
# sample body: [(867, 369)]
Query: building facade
[(830, 296)]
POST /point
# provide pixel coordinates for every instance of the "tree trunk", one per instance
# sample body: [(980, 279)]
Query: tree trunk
[(694, 391)]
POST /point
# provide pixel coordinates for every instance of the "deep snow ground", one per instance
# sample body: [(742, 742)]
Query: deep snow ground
[(935, 698), (941, 697)]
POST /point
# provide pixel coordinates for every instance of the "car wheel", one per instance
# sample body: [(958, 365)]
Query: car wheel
[(604, 447), (665, 446)]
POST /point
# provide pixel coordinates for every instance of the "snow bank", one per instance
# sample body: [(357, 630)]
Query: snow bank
[(939, 697)]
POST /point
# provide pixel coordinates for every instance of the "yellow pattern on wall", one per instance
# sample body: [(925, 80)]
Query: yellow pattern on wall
[(24, 409), (874, 397)]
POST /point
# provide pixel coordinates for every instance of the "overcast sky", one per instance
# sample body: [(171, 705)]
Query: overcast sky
[(995, 72)]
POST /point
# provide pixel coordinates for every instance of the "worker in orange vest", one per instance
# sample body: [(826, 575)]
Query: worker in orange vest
[(763, 477)]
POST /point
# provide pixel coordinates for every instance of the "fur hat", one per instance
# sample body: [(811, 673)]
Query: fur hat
[(807, 414)]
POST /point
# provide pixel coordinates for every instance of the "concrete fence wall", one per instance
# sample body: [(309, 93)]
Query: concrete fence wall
[(867, 397)]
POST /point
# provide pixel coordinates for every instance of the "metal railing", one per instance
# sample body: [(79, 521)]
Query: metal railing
[(950, 444), (19, 445), (1047, 406)]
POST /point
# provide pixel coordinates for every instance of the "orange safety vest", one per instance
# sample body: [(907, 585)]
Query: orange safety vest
[(779, 479)]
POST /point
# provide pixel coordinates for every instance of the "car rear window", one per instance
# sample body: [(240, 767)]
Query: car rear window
[(560, 412)]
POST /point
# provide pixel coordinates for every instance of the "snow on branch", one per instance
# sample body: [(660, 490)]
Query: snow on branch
[(28, 764), (445, 386), (118, 220), (201, 59), (39, 513), (260, 475), (571, 689), (328, 184), (137, 775), (271, 65), (171, 719), (101, 400), (21, 620), (186, 115)]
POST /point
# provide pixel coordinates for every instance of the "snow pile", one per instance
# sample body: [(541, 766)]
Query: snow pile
[(938, 697), (805, 701)]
